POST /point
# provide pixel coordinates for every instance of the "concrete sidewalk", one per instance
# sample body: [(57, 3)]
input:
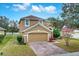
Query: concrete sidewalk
[(69, 54)]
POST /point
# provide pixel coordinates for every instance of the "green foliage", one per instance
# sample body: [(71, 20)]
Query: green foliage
[(10, 26), (20, 39), (52, 21), (55, 22), (4, 22), (13, 26), (1, 53), (1, 38), (56, 32), (70, 14)]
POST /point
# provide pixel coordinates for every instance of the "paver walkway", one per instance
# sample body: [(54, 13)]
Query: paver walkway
[(45, 48)]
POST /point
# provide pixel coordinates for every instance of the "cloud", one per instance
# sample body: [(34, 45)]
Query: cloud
[(50, 8), (36, 8), (40, 8), (18, 7)]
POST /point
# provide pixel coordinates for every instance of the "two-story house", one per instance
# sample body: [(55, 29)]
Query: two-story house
[(34, 29)]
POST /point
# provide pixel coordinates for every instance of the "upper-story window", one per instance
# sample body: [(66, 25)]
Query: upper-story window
[(27, 23)]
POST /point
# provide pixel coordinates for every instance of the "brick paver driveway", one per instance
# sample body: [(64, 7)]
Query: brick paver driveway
[(46, 48)]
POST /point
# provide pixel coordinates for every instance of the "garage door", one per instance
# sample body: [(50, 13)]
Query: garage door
[(37, 37)]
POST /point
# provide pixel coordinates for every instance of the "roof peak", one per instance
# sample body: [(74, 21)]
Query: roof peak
[(31, 17), (37, 25)]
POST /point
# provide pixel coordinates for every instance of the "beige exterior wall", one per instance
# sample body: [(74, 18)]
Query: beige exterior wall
[(25, 38), (46, 24), (37, 33), (37, 28), (32, 22)]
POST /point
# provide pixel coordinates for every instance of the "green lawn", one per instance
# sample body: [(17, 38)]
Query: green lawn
[(12, 48), (74, 45), (5, 40)]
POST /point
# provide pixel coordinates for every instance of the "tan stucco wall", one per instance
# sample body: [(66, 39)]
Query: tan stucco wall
[(42, 33), (36, 29), (46, 24), (32, 22)]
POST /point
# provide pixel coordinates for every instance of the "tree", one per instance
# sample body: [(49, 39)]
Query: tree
[(4, 21), (13, 26), (66, 33), (55, 22), (67, 38), (70, 14), (52, 21), (10, 26)]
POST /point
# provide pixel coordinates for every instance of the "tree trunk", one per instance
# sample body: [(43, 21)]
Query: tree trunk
[(67, 42)]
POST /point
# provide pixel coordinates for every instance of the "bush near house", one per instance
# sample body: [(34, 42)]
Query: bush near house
[(20, 39), (1, 38), (56, 33)]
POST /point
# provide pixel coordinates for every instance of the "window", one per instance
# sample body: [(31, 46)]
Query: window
[(27, 23)]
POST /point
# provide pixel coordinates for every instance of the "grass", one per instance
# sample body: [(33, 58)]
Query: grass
[(12, 48), (75, 32), (5, 40), (74, 45), (18, 50)]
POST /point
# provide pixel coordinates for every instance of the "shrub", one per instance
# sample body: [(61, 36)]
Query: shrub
[(1, 53), (1, 38), (56, 33), (20, 39)]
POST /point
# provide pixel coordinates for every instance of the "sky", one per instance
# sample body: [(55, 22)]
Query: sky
[(15, 11)]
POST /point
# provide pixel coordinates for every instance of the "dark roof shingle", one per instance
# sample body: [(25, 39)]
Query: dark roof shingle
[(31, 17)]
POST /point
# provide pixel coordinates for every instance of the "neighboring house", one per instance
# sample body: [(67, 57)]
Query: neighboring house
[(2, 31), (34, 29), (75, 34)]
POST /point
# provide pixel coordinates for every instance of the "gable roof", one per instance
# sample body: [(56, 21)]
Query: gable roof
[(2, 28), (37, 25), (31, 17)]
